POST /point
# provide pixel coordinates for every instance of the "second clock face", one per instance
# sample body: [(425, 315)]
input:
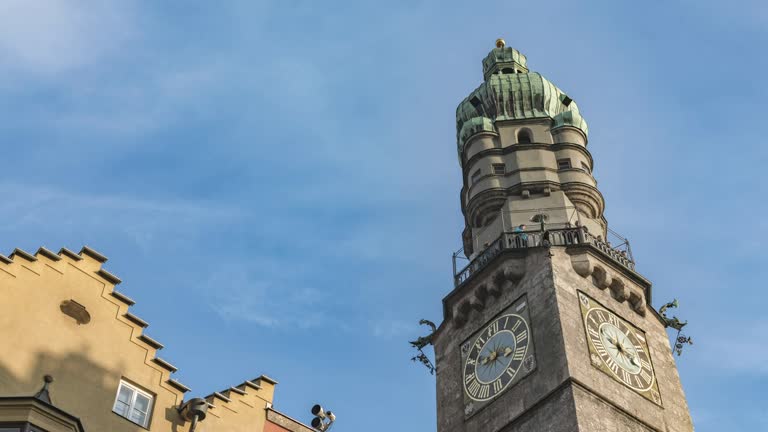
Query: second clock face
[(497, 356), (619, 349)]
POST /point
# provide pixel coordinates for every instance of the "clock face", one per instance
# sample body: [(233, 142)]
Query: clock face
[(496, 357), (619, 349)]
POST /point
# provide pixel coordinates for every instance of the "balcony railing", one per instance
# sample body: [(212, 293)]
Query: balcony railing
[(530, 239)]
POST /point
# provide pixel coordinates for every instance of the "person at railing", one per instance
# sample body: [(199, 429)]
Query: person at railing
[(521, 238)]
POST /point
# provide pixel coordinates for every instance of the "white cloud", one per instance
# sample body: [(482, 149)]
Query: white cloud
[(263, 291), (45, 37)]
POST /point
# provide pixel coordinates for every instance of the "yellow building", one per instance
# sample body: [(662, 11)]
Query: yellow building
[(76, 359)]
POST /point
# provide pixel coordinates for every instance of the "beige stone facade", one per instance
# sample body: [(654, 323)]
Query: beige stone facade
[(61, 316), (566, 392)]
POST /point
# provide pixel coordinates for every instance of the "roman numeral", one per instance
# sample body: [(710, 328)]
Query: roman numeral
[(484, 391), (521, 337), (613, 319), (600, 315), (599, 347), (506, 320), (517, 324), (594, 333), (493, 329), (646, 377), (469, 378), (625, 377), (479, 343), (471, 361), (511, 371), (497, 386), (612, 364), (591, 318), (473, 388), (639, 348), (645, 364), (637, 381), (519, 353)]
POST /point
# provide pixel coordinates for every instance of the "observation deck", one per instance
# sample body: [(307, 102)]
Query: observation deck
[(621, 254)]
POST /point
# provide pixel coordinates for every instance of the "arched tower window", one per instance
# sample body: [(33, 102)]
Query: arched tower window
[(524, 136)]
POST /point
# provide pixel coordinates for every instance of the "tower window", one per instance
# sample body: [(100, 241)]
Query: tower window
[(524, 136), (563, 164), (133, 404), (508, 71), (499, 169), (585, 167), (475, 175)]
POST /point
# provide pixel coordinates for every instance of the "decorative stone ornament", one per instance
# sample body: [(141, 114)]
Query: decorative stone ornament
[(584, 266), (76, 311)]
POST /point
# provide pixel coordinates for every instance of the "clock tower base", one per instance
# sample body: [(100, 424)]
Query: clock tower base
[(566, 388)]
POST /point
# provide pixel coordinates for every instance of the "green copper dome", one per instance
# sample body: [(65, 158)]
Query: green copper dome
[(511, 92)]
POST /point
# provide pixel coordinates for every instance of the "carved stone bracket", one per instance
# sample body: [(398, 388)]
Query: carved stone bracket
[(589, 268), (481, 295)]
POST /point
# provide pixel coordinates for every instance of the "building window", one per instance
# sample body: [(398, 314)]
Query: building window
[(133, 404), (475, 176), (499, 169), (585, 167), (524, 136), (563, 164)]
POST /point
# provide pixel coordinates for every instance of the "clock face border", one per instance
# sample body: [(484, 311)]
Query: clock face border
[(519, 308), (587, 304)]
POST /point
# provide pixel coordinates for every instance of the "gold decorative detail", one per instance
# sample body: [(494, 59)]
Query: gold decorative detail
[(500, 43), (584, 299), (656, 396), (595, 360)]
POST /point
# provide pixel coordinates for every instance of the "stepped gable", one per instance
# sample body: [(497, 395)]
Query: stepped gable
[(90, 262), (256, 393)]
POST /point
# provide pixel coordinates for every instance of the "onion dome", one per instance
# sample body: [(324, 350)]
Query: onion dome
[(511, 92)]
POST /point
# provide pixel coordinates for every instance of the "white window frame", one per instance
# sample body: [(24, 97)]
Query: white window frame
[(136, 391)]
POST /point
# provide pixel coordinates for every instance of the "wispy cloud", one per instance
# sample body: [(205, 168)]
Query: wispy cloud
[(238, 294), (48, 37)]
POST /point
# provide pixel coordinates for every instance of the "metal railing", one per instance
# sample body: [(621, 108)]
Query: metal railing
[(530, 239)]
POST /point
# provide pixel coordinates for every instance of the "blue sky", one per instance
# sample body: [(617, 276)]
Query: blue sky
[(283, 173)]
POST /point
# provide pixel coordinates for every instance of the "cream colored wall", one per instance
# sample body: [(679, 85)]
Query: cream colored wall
[(88, 361)]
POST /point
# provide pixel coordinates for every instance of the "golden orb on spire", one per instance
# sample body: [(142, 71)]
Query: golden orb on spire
[(500, 43)]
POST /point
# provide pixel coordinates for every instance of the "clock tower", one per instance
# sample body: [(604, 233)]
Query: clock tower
[(549, 326)]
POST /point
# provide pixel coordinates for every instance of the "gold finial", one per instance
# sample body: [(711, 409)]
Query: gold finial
[(500, 43)]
